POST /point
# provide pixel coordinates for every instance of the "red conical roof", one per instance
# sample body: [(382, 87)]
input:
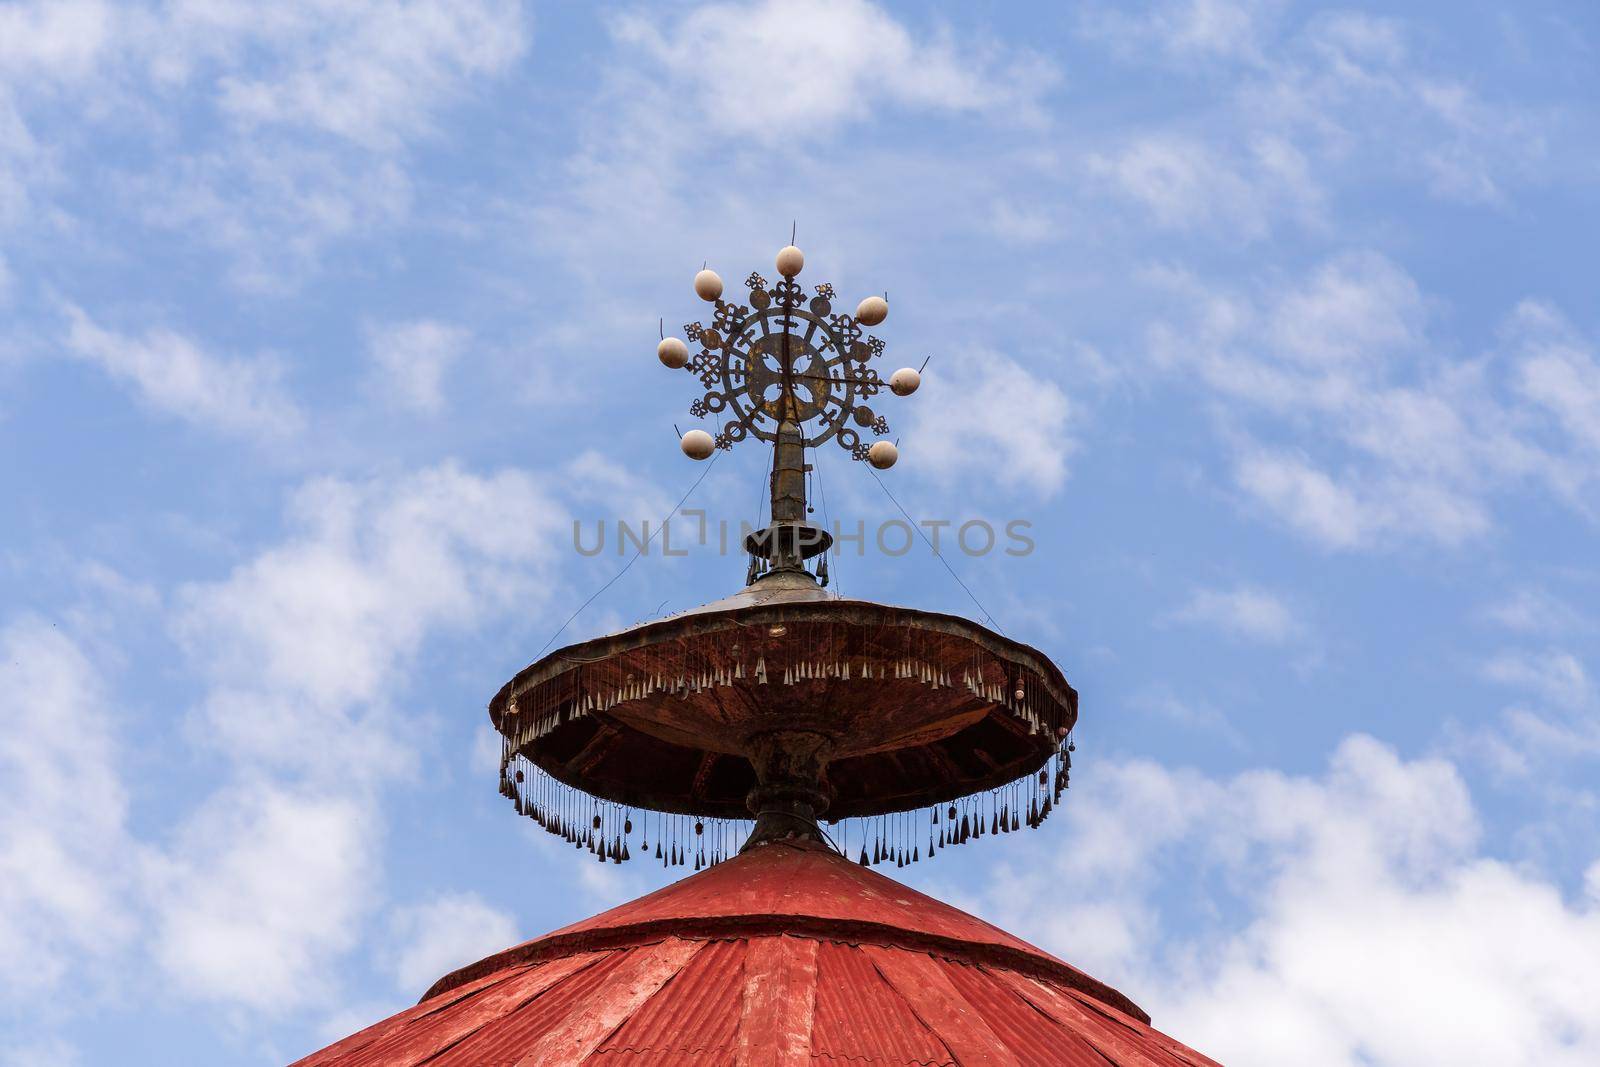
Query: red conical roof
[(787, 954)]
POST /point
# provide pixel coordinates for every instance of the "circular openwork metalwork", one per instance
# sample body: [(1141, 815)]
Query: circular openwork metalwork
[(783, 357)]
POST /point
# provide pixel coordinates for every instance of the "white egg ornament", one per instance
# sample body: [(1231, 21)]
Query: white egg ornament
[(882, 455), (708, 285), (674, 353), (872, 310), (697, 444), (790, 261), (904, 381)]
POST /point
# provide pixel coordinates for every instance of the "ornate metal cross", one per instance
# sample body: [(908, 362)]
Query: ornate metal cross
[(786, 359), (791, 371)]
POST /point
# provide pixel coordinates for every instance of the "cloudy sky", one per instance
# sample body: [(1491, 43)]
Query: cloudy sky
[(321, 322)]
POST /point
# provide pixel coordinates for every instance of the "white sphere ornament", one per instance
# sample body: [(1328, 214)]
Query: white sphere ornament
[(790, 260), (882, 455), (872, 310), (903, 382), (708, 285), (697, 444), (675, 354)]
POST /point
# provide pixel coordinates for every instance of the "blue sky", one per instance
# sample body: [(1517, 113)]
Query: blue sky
[(321, 323)]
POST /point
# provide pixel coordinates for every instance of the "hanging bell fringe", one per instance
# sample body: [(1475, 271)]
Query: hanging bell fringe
[(607, 829)]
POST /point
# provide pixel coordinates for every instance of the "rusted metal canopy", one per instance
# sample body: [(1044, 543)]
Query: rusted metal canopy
[(911, 707), (786, 955)]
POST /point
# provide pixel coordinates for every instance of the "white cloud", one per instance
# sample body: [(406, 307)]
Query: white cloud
[(771, 70), (622, 491), (1186, 30), (1188, 711), (606, 885), (173, 375), (1356, 510), (315, 102), (372, 72), (1533, 611), (54, 39), (1246, 612), (1553, 719), (440, 935), (1313, 342), (984, 417), (486, 746), (695, 105), (1355, 88), (1353, 917), (1353, 43), (1354, 310), (260, 888), (1308, 499), (1348, 425), (410, 360), (272, 208), (1184, 183), (1558, 372), (304, 643), (1555, 675), (1178, 179), (265, 887), (49, 1052), (304, 648), (64, 852), (1337, 97), (113, 588)]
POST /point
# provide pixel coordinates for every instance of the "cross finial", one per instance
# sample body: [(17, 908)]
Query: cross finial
[(787, 369)]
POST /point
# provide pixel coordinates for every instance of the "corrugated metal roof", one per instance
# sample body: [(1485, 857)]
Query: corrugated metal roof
[(795, 887), (871, 974), (424, 1039), (732, 1001), (1027, 1031), (861, 1017), (566, 1022), (350, 1050), (688, 1021)]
